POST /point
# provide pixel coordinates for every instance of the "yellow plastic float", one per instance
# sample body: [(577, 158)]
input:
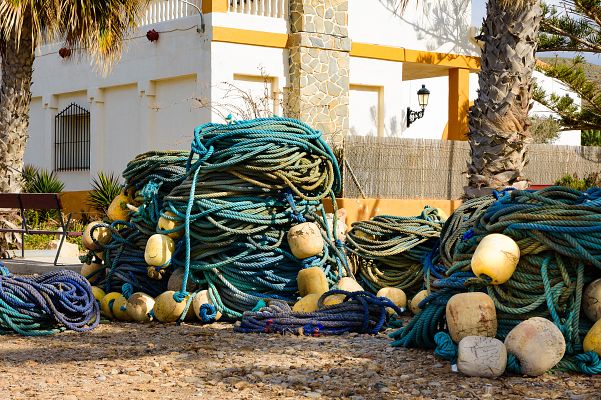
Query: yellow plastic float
[(496, 257), (312, 281), (305, 240), (118, 210), (139, 306), (158, 251), (166, 309), (101, 234)]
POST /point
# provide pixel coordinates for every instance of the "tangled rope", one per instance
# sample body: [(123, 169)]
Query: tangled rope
[(558, 231), (360, 312), (44, 304), (389, 250)]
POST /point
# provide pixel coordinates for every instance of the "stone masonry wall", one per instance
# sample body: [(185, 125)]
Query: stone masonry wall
[(318, 91)]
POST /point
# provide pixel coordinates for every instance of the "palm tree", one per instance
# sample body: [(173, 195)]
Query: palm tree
[(498, 121), (95, 26)]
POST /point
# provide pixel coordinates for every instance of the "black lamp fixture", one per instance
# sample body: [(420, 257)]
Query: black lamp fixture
[(423, 95)]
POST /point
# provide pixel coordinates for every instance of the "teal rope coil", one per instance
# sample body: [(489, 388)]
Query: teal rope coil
[(248, 182), (558, 231)]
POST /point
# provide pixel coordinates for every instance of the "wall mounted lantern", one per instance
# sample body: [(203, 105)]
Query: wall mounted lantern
[(423, 95)]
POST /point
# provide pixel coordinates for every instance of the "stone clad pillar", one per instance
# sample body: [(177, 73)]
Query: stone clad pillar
[(318, 91)]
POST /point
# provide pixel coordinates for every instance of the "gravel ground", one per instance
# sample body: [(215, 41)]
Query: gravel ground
[(129, 361)]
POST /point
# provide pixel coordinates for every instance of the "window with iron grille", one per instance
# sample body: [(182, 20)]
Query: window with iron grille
[(72, 139)]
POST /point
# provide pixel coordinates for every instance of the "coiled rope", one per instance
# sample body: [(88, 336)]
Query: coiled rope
[(389, 250), (360, 312), (248, 182), (40, 305), (558, 231)]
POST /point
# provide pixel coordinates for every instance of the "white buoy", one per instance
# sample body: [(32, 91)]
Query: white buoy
[(305, 240), (471, 314), (496, 257), (139, 306), (481, 356), (158, 251)]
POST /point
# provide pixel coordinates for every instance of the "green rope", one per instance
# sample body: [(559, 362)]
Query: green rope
[(388, 251)]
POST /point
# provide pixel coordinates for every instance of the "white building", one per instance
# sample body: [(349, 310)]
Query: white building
[(373, 58)]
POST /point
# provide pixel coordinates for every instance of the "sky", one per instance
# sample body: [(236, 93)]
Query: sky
[(479, 11)]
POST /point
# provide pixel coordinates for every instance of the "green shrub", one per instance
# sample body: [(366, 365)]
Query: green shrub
[(544, 129), (105, 187), (591, 138), (582, 184), (29, 173)]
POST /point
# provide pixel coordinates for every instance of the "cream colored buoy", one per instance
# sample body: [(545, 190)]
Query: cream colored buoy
[(118, 210), (139, 305), (471, 314), (106, 304), (395, 295), (592, 340), (496, 256), (538, 345), (307, 304), (98, 293), (166, 224), (166, 309), (91, 271), (101, 234), (159, 250), (119, 309), (481, 356), (418, 298), (347, 284), (201, 298), (305, 240), (591, 301), (312, 281)]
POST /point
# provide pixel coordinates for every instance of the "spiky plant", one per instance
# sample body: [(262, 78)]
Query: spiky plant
[(94, 26), (45, 181), (105, 187), (28, 175)]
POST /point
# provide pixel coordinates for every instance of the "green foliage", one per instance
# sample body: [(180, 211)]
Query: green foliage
[(573, 26), (40, 242), (41, 181), (544, 129), (588, 115), (105, 187), (591, 138), (573, 181)]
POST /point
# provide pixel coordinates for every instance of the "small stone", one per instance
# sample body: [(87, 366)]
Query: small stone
[(312, 395), (481, 356), (101, 378)]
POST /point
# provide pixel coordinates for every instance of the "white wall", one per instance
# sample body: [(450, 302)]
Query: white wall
[(431, 25)]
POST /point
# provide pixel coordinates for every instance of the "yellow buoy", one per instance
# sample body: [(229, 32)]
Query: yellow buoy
[(591, 301), (106, 304), (118, 210), (166, 224), (101, 234), (91, 271), (496, 256), (307, 304), (166, 309), (347, 284), (119, 309), (471, 314), (139, 306), (312, 280), (98, 293), (305, 240), (159, 250), (201, 298), (395, 295), (418, 298), (592, 340)]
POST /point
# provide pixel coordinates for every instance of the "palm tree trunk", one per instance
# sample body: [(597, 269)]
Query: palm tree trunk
[(499, 126), (15, 97)]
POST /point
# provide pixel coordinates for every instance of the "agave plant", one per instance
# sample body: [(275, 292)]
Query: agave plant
[(105, 187), (28, 175), (42, 181)]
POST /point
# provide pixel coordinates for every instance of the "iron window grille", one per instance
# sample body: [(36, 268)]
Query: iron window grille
[(72, 139)]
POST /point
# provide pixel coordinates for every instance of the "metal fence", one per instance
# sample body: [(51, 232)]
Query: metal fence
[(391, 168)]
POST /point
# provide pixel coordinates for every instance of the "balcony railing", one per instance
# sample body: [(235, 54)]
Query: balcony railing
[(161, 10), (266, 8)]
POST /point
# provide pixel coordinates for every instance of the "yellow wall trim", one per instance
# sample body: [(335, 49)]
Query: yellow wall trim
[(210, 6), (400, 54), (459, 103), (250, 37)]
